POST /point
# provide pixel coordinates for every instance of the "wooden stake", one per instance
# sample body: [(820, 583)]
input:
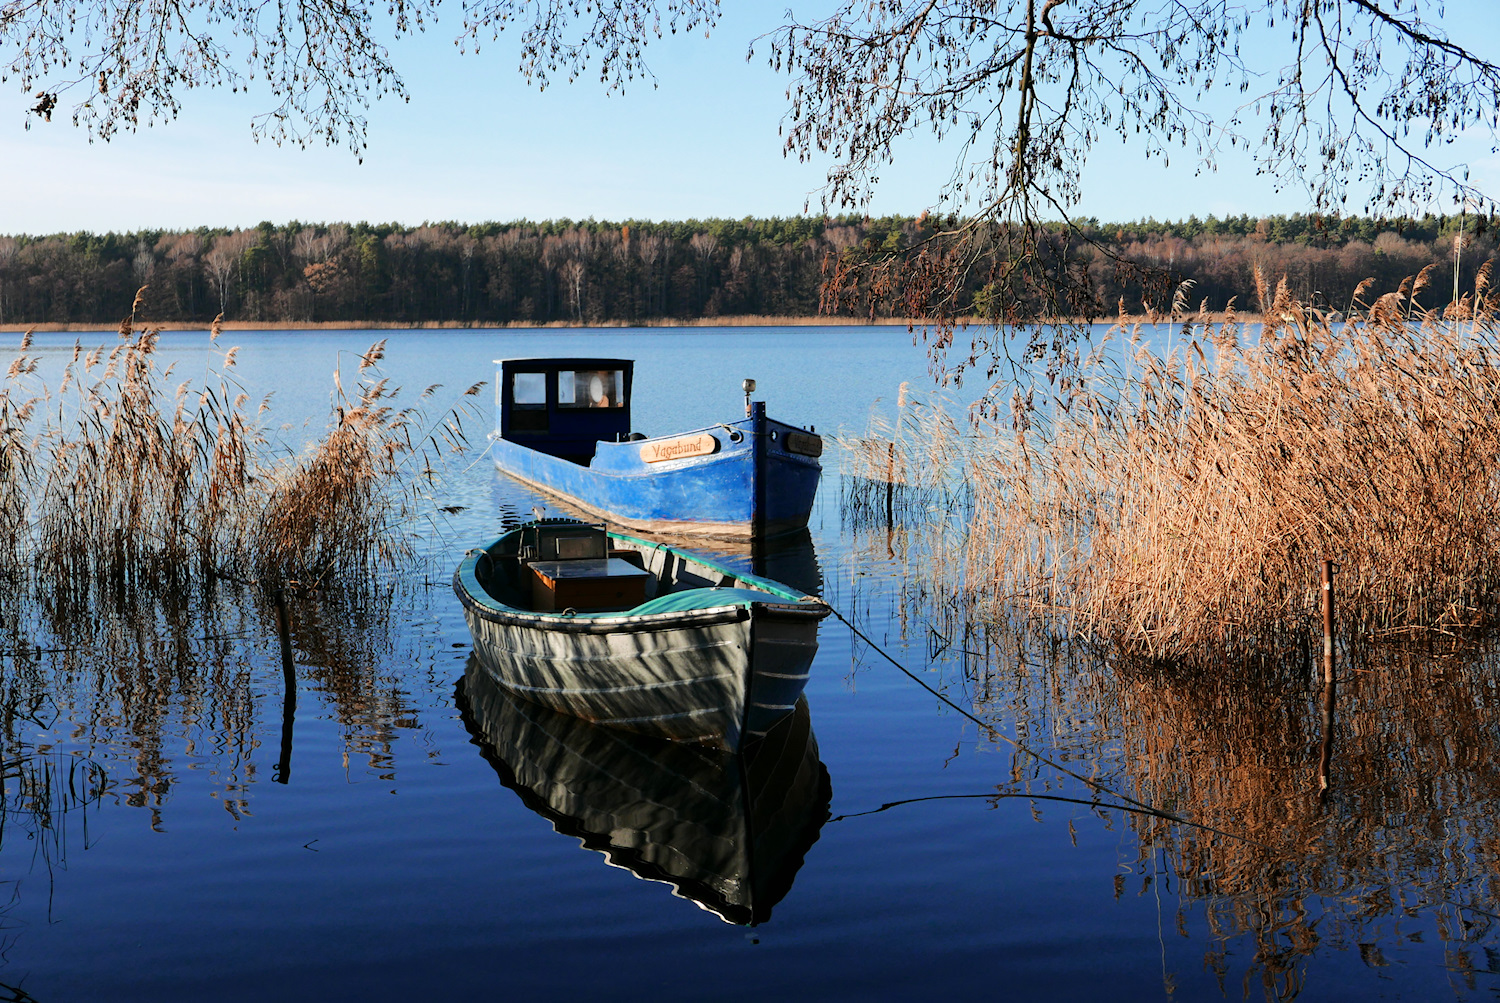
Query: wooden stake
[(1325, 756), (283, 772), (1327, 620), (890, 484)]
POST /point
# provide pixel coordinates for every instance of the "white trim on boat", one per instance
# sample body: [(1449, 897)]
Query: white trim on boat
[(695, 712), (648, 653), (624, 689), (772, 706)]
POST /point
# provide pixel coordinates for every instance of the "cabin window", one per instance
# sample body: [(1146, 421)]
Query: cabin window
[(591, 388), (529, 388)]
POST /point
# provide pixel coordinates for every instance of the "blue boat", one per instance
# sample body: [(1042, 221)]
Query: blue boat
[(564, 429)]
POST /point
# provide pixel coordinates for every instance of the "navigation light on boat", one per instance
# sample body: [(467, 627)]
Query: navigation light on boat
[(749, 387)]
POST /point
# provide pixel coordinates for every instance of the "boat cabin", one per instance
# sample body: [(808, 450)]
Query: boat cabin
[(563, 407)]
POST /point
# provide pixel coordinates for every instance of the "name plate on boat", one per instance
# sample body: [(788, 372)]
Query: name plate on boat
[(807, 445), (677, 449)]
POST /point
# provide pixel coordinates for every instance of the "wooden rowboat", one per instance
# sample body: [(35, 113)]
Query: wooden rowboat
[(637, 635), (727, 832)]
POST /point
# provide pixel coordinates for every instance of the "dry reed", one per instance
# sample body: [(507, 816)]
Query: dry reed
[(112, 478), (134, 510), (1177, 505), (1170, 509)]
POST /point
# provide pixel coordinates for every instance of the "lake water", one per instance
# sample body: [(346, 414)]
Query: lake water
[(204, 839)]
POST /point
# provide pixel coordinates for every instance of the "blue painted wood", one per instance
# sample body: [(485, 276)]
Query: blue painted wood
[(751, 485), (566, 424)]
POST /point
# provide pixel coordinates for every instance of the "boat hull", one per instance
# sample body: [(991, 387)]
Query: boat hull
[(717, 674), (751, 484), (720, 683)]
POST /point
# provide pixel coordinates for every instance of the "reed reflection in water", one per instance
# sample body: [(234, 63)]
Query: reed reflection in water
[(1302, 840), (727, 832), (115, 696), (1408, 829)]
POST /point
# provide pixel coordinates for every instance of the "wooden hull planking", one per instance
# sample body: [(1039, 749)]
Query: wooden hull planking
[(717, 675)]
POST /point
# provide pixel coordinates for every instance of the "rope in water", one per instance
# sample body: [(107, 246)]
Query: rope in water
[(1130, 803)]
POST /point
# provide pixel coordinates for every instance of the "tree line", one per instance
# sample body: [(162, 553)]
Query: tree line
[(585, 272)]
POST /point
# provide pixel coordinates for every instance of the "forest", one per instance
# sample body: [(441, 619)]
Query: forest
[(590, 272)]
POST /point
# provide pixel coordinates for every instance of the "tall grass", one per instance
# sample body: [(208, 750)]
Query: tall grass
[(1170, 509), (1177, 504), (135, 509), (124, 475)]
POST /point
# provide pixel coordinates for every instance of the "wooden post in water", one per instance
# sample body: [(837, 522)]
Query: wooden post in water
[(1327, 621), (1325, 756), (890, 484), (283, 772)]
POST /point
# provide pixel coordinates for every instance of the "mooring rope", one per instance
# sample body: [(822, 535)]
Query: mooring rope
[(1131, 804)]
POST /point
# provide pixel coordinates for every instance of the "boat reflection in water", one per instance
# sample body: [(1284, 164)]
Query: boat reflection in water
[(727, 831), (789, 558)]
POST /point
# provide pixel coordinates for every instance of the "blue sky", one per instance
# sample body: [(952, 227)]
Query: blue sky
[(477, 143)]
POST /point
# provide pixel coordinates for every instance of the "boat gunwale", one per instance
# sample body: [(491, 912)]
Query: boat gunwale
[(782, 602), (743, 426)]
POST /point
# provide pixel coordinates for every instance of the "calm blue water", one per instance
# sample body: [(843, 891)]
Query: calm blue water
[(394, 864)]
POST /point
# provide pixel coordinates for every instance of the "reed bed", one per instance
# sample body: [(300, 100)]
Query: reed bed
[(145, 524), (124, 475), (1177, 505), (1134, 588), (1405, 831)]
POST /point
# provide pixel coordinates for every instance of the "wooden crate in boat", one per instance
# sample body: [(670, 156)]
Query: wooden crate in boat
[(592, 584)]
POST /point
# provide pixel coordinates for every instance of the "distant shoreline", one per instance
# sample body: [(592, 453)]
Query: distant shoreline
[(448, 325)]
